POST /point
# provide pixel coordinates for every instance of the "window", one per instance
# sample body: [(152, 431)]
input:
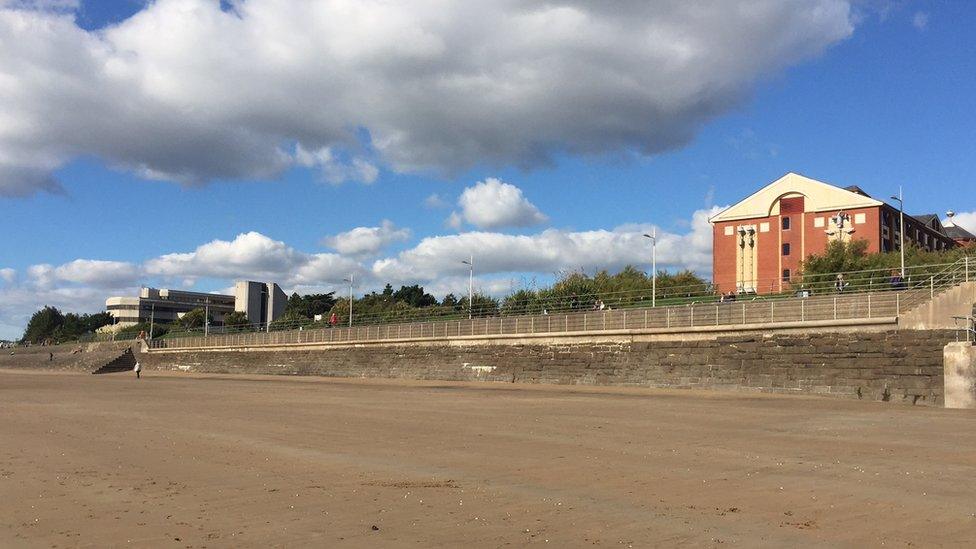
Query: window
[(786, 223), (786, 275), (786, 249)]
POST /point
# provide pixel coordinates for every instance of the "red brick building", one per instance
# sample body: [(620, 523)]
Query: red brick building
[(759, 243)]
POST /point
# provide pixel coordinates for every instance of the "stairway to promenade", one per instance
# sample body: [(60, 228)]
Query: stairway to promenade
[(122, 363)]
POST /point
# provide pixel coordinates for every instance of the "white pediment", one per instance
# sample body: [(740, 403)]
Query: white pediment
[(819, 197)]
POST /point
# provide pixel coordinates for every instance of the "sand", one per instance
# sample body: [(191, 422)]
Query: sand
[(219, 461)]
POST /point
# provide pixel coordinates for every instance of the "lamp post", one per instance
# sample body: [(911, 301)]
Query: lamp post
[(901, 228), (350, 281), (653, 237), (470, 263)]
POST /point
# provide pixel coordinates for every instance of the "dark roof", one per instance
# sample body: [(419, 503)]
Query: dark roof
[(926, 219), (956, 232), (858, 190)]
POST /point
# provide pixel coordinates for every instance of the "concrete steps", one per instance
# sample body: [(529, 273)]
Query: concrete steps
[(122, 363)]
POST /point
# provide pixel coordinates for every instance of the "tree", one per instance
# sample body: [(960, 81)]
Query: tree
[(483, 305), (307, 306), (414, 296), (236, 320), (44, 325), (450, 301), (195, 319)]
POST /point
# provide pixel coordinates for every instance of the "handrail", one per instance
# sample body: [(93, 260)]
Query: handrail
[(864, 302)]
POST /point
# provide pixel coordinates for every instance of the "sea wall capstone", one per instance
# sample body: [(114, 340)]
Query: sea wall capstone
[(890, 366)]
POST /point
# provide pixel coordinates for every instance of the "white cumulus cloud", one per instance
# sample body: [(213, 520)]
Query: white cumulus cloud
[(367, 240), (494, 204), (195, 90), (550, 251), (100, 274), (249, 255)]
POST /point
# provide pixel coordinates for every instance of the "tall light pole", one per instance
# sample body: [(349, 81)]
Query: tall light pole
[(653, 237), (901, 228), (350, 281), (470, 263)]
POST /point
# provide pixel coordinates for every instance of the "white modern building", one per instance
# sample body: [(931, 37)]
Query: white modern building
[(164, 306), (262, 302)]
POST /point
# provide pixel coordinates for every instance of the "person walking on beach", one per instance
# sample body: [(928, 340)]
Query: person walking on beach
[(137, 369)]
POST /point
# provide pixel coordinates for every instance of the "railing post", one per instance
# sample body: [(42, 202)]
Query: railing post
[(803, 310), (869, 305), (772, 311), (743, 313), (667, 315), (835, 307), (966, 268), (897, 304), (931, 287), (716, 315), (645, 319), (584, 322), (692, 324)]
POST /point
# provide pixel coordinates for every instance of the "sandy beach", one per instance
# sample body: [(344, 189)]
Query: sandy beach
[(219, 461)]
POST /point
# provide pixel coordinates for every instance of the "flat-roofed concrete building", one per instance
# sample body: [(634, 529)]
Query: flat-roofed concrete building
[(165, 306), (262, 302)]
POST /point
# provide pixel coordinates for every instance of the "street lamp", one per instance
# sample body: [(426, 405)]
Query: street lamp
[(470, 264), (350, 281), (653, 237), (901, 228)]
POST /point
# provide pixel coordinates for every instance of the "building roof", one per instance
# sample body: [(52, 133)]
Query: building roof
[(857, 190), (956, 232), (819, 196)]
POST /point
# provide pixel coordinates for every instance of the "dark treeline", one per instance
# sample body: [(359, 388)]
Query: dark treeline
[(49, 325)]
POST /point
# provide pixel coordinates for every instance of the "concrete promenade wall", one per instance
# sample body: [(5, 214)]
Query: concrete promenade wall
[(890, 365), (70, 356)]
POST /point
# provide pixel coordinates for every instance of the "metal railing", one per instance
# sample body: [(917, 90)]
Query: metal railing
[(867, 302)]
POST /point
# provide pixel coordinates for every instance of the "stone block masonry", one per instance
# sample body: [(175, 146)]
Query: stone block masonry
[(891, 366)]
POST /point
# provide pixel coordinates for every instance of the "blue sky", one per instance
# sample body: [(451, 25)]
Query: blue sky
[(884, 103)]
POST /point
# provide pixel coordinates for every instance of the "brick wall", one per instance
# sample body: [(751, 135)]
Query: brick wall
[(895, 366)]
